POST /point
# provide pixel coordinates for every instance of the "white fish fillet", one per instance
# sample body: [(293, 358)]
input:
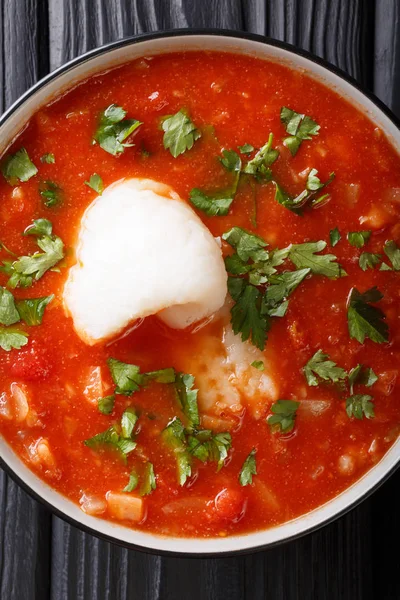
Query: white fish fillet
[(142, 251), (226, 380)]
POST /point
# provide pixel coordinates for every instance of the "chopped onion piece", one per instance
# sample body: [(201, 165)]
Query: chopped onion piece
[(125, 507)]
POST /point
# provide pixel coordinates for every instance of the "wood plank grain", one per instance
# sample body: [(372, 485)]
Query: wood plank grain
[(386, 65)]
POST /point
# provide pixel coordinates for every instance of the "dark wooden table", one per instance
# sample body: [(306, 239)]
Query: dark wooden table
[(356, 558)]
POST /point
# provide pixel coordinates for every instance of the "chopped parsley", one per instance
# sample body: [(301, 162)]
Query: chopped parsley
[(218, 203), (26, 269), (148, 480), (8, 311), (96, 183), (18, 167), (258, 364), (207, 446), (212, 205), (128, 378), (321, 367), (32, 310), (132, 483), (275, 302), (246, 314), (128, 421), (360, 406), (364, 319), (361, 375), (180, 133), (12, 338), (284, 415), (249, 469), (307, 197), (358, 239), (51, 193), (113, 440), (113, 129), (246, 149), (334, 236), (299, 127), (259, 166), (305, 256), (368, 260), (174, 436), (106, 404), (187, 398), (48, 158), (393, 254)]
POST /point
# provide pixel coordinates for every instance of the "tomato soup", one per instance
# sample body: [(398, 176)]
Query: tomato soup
[(199, 294)]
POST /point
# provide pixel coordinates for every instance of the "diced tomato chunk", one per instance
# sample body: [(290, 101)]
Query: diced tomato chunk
[(30, 364), (230, 504)]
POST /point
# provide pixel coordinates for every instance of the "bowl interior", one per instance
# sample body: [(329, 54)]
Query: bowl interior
[(101, 60)]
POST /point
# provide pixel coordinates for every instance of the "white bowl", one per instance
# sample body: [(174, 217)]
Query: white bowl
[(105, 58)]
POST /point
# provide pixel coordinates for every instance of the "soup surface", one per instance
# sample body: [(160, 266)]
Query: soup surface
[(297, 372)]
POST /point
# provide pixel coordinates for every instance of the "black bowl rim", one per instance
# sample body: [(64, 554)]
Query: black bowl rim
[(181, 33)]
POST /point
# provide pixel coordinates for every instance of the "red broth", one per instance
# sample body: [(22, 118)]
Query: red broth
[(233, 100)]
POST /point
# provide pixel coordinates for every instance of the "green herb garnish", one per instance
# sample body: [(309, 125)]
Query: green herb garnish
[(300, 127), (113, 129), (96, 183), (249, 469), (180, 133), (18, 167), (321, 367), (284, 415), (364, 319)]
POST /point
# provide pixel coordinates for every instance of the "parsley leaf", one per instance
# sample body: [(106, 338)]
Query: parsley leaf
[(368, 260), (246, 148), (361, 375), (305, 256), (132, 483), (393, 254), (360, 406), (246, 316), (8, 312), (111, 439), (265, 157), (106, 405), (207, 446), (174, 436), (187, 397), (148, 483), (218, 203), (51, 193), (248, 247), (299, 127), (18, 167), (320, 366), (12, 338), (128, 378), (48, 158), (128, 421), (213, 206), (358, 239), (180, 133), (281, 286), (365, 320), (113, 129), (32, 310), (284, 415), (334, 236), (249, 469), (26, 269), (307, 196), (258, 364), (96, 183)]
